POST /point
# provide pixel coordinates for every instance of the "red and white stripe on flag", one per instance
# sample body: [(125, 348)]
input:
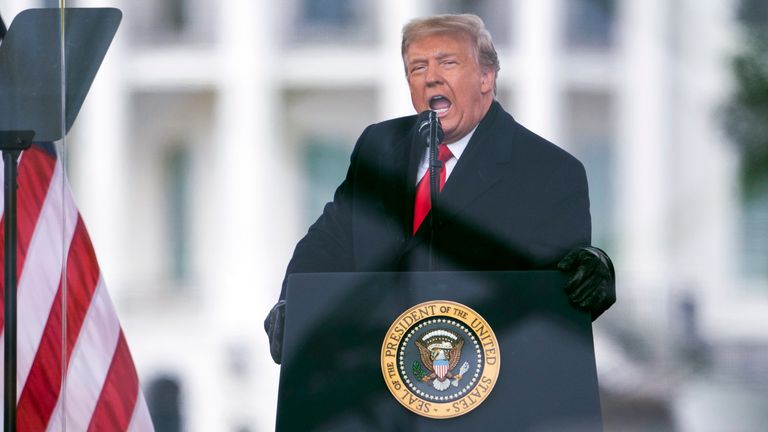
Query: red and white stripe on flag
[(98, 390), (441, 369)]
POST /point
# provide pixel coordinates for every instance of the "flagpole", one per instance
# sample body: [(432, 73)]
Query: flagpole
[(11, 143)]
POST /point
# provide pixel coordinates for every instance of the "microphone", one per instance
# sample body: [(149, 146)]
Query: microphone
[(428, 121)]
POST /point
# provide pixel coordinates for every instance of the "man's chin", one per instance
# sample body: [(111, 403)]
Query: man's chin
[(449, 131), (450, 138)]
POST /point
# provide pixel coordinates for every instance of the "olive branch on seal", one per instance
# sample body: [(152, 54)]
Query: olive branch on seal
[(418, 371)]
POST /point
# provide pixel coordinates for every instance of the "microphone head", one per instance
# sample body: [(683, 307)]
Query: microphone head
[(423, 120)]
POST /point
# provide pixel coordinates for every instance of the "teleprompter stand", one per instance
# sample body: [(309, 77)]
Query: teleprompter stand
[(43, 82)]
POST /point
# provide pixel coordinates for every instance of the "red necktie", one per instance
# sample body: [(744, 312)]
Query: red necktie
[(423, 203)]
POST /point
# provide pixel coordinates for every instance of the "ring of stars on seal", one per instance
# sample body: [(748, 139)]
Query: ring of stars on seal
[(478, 360)]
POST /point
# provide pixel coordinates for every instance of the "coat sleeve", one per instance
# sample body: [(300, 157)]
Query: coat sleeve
[(569, 225), (327, 246), (564, 220)]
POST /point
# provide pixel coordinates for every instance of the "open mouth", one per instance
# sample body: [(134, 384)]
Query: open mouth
[(440, 104)]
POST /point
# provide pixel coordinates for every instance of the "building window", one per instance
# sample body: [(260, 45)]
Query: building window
[(589, 23), (496, 15), (164, 403), (170, 132), (321, 127), (171, 21), (49, 4), (589, 137), (177, 168), (175, 14), (335, 13), (331, 21), (325, 161), (754, 234)]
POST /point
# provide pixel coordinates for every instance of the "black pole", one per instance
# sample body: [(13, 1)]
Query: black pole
[(10, 158), (434, 182), (11, 144)]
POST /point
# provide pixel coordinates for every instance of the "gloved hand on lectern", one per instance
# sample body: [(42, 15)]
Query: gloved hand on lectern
[(592, 286), (274, 325)]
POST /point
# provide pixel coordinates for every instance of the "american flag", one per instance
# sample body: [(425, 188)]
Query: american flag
[(84, 380)]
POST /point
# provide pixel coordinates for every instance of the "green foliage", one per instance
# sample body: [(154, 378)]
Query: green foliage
[(418, 372), (746, 114)]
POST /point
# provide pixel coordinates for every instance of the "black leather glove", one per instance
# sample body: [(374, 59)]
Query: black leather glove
[(592, 286), (274, 325)]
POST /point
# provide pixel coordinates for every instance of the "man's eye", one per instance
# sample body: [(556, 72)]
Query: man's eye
[(416, 69)]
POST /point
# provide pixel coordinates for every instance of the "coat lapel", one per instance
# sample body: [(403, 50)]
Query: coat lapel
[(397, 172), (483, 164), (411, 158)]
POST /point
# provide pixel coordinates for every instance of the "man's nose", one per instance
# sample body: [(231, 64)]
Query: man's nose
[(433, 76)]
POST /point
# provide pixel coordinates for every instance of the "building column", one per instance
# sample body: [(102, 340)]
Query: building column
[(241, 278), (643, 143), (538, 88), (99, 160), (394, 99)]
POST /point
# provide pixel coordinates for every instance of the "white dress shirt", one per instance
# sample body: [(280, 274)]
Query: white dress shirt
[(456, 149)]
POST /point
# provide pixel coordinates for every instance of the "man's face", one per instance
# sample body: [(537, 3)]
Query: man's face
[(444, 76)]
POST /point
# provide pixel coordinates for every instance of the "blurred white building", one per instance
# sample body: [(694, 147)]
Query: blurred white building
[(215, 131)]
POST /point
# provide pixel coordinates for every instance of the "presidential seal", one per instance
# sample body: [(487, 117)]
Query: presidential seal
[(440, 359)]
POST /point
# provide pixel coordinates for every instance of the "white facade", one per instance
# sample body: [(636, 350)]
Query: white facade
[(202, 153)]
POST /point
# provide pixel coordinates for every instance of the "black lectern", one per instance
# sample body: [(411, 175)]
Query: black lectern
[(336, 324)]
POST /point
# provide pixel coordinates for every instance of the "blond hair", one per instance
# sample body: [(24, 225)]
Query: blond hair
[(468, 25)]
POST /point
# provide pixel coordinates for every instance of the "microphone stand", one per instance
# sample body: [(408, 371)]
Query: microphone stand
[(434, 183)]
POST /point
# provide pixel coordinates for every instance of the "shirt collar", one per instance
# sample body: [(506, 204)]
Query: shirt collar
[(457, 148)]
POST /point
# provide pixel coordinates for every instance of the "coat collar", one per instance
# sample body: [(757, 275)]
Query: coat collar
[(480, 167)]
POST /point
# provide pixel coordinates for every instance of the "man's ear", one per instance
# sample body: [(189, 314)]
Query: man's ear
[(487, 76)]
